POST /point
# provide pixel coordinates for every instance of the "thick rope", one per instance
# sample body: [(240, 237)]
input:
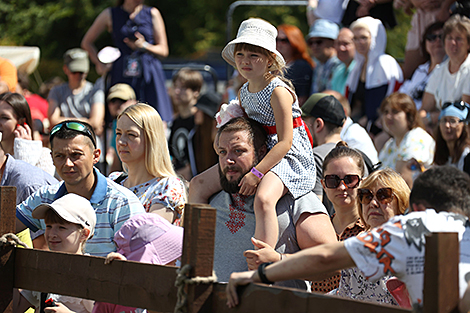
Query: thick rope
[(11, 239), (182, 279)]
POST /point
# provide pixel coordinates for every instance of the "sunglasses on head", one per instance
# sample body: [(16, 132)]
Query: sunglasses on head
[(461, 105), (383, 195), (432, 37), (284, 40), (77, 126), (333, 181)]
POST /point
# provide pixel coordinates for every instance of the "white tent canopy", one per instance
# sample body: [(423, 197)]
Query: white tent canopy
[(26, 59)]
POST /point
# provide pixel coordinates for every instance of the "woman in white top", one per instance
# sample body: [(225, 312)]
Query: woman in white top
[(432, 48), (452, 135), (409, 140), (449, 80)]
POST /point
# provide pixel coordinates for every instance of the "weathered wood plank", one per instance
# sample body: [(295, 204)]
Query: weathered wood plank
[(258, 298), (7, 225), (7, 209), (441, 275), (198, 250), (124, 282)]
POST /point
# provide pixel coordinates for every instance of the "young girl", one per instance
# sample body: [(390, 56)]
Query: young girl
[(289, 166), (70, 222)]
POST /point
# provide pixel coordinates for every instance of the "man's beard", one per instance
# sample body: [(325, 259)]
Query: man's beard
[(232, 186)]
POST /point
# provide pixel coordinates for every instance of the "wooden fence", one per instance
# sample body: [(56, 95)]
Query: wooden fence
[(153, 287)]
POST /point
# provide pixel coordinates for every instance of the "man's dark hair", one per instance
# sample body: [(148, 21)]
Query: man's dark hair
[(256, 133), (66, 133), (443, 188)]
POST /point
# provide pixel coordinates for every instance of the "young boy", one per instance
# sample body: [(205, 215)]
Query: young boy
[(184, 93), (70, 222)]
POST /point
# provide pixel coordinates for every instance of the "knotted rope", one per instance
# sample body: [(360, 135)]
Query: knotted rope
[(182, 279), (11, 240)]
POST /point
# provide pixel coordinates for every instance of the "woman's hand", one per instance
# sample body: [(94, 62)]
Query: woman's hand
[(248, 184), (237, 279), (23, 132), (114, 256), (136, 44), (263, 253), (59, 308)]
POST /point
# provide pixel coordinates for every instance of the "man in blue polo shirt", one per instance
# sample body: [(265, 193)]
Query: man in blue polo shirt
[(74, 153)]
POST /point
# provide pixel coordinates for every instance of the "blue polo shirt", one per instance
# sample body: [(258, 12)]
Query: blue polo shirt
[(113, 205)]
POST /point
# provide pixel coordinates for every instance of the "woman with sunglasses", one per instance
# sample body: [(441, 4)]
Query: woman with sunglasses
[(452, 135), (432, 49), (409, 141), (143, 150), (343, 169), (381, 195), (449, 81), (291, 44), (17, 132)]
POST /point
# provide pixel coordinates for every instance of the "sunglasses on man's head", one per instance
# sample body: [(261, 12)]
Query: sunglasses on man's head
[(383, 195), (77, 126), (333, 181)]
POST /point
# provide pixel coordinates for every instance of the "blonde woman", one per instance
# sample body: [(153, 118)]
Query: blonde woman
[(143, 150)]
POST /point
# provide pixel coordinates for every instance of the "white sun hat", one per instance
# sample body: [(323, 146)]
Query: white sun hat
[(257, 32)]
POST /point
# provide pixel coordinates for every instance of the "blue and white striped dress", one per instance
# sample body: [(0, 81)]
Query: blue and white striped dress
[(297, 168)]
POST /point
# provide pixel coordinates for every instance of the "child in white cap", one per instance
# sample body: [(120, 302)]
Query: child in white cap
[(70, 222), (288, 167)]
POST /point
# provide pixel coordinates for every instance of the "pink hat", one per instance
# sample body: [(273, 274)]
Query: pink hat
[(150, 238)]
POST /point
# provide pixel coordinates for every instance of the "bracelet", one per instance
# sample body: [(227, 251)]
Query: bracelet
[(262, 274), (144, 46), (257, 173)]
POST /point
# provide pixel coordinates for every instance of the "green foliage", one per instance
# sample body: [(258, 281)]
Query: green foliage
[(193, 27)]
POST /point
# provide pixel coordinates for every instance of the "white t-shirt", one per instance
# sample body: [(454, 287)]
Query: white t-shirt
[(357, 137), (447, 87), (331, 10), (417, 144), (397, 248)]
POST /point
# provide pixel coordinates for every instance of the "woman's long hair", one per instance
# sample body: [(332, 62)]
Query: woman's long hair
[(297, 42), (157, 156), (442, 153), (20, 107)]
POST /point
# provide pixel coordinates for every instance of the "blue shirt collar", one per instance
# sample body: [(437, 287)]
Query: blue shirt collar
[(100, 190)]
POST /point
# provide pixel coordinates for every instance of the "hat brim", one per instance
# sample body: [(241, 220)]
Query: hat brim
[(228, 53)]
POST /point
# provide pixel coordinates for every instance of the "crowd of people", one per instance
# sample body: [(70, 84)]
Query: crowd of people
[(327, 151)]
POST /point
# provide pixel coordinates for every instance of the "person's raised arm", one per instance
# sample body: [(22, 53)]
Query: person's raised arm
[(102, 22), (96, 119)]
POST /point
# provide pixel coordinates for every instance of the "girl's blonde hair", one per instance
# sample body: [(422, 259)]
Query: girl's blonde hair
[(391, 179), (157, 156)]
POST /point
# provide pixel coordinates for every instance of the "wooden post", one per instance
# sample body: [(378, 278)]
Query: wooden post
[(441, 273), (7, 262), (198, 250)]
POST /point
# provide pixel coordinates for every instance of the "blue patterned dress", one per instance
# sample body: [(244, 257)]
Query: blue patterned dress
[(297, 168)]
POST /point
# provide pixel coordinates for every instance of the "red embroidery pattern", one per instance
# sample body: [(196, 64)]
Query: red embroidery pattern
[(237, 217)]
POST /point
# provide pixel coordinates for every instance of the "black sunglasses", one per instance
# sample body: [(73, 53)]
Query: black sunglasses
[(284, 40), (461, 105), (432, 37), (383, 195), (77, 126), (333, 181), (317, 42)]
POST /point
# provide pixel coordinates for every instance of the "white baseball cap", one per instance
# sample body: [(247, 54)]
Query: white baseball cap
[(72, 208)]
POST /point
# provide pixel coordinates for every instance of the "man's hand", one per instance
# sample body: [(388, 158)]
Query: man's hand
[(237, 279), (114, 256), (248, 184), (263, 253)]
